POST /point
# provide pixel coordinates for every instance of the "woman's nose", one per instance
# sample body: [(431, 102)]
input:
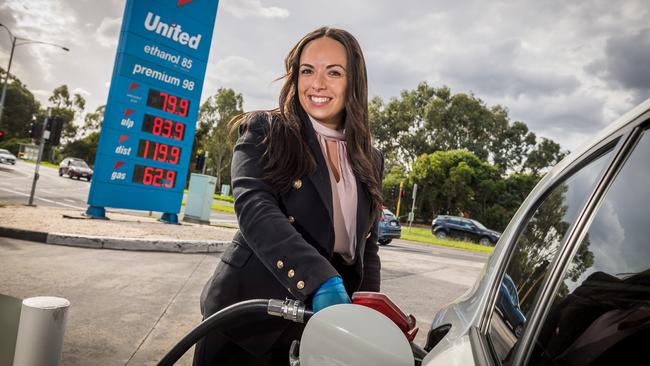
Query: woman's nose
[(318, 82)]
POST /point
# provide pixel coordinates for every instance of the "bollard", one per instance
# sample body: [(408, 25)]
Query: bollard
[(40, 332)]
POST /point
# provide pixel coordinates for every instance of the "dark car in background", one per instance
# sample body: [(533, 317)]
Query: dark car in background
[(75, 168), (389, 227), (462, 228)]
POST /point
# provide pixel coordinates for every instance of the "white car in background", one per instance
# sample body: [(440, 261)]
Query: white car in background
[(6, 157)]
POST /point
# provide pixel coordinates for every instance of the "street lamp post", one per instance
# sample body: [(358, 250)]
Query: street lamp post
[(18, 41)]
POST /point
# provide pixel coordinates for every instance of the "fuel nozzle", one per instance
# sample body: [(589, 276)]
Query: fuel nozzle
[(293, 310)]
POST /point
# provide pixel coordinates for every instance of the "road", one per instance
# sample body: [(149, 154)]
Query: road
[(131, 307), (52, 190)]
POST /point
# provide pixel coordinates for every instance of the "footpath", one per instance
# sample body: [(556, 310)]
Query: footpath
[(127, 308), (123, 230)]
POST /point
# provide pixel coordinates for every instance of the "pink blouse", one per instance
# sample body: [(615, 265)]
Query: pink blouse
[(344, 192)]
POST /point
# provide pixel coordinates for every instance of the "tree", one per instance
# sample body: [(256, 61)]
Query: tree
[(68, 108), (546, 154), (212, 131), (429, 119), (93, 120), (84, 148), (19, 109), (448, 182)]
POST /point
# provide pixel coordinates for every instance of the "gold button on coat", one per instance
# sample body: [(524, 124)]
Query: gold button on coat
[(297, 184), (280, 264), (291, 219), (291, 273), (300, 285)]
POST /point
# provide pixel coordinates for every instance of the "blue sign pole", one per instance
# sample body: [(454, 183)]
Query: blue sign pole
[(146, 140)]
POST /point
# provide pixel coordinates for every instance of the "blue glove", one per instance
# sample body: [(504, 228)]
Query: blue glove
[(330, 292)]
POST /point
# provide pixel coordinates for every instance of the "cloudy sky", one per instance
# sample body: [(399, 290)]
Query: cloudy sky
[(566, 68)]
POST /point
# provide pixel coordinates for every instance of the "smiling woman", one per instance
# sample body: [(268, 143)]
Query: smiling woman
[(306, 182)]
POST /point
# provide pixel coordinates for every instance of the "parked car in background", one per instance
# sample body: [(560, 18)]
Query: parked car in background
[(75, 168), (389, 227), (6, 157), (461, 228)]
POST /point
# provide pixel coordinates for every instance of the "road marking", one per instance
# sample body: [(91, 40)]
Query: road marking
[(42, 199), (69, 200)]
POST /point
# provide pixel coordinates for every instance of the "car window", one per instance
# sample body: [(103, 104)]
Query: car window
[(601, 311), (79, 163), (535, 250), (479, 225)]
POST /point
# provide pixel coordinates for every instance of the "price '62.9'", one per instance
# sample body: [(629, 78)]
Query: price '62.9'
[(152, 176)]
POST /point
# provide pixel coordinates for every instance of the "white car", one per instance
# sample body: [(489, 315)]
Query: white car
[(6, 157), (577, 252)]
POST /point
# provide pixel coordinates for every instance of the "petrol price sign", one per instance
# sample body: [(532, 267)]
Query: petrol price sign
[(146, 139)]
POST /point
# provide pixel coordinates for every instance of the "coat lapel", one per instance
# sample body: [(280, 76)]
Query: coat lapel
[(363, 210), (320, 177), (321, 180)]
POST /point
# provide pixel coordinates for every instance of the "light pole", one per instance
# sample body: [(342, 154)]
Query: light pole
[(18, 41)]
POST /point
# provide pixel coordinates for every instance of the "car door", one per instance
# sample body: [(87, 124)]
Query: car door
[(564, 259)]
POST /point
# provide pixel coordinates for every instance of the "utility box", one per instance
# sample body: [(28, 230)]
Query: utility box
[(199, 198)]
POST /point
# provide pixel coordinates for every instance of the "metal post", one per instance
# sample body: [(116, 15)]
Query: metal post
[(41, 327), (412, 213), (38, 160), (4, 85), (205, 162), (399, 198)]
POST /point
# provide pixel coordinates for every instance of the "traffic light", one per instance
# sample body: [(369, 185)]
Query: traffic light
[(36, 130), (200, 161), (2, 135), (55, 126), (393, 191)]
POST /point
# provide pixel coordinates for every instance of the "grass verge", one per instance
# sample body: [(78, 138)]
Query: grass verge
[(423, 235), (43, 163), (219, 207)]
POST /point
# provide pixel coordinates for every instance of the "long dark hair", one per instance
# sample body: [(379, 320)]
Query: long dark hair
[(287, 155)]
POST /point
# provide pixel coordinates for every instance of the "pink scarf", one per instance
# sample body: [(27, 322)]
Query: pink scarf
[(344, 192)]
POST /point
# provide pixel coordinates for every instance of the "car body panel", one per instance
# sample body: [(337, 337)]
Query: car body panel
[(470, 310), (389, 227), (75, 167), (6, 157)]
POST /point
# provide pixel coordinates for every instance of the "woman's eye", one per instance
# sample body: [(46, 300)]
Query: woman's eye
[(305, 71), (335, 73)]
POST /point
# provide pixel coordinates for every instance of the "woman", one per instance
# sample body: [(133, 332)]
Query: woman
[(306, 182)]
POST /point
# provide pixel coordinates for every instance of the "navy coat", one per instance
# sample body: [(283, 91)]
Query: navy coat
[(284, 247)]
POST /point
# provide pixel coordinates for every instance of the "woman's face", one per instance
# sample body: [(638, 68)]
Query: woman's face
[(322, 79)]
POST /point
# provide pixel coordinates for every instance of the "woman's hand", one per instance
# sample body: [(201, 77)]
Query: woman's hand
[(330, 292)]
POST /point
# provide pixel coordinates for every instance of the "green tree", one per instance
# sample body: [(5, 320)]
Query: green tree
[(84, 148), (448, 182), (93, 120), (547, 153), (19, 109), (212, 131), (67, 107)]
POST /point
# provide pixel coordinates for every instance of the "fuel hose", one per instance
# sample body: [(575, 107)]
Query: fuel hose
[(292, 310)]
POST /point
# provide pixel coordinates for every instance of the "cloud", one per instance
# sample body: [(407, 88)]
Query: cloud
[(108, 32), (626, 64), (253, 9), (247, 77), (82, 92)]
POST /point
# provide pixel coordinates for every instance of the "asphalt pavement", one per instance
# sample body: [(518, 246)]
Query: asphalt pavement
[(130, 307), (62, 192)]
